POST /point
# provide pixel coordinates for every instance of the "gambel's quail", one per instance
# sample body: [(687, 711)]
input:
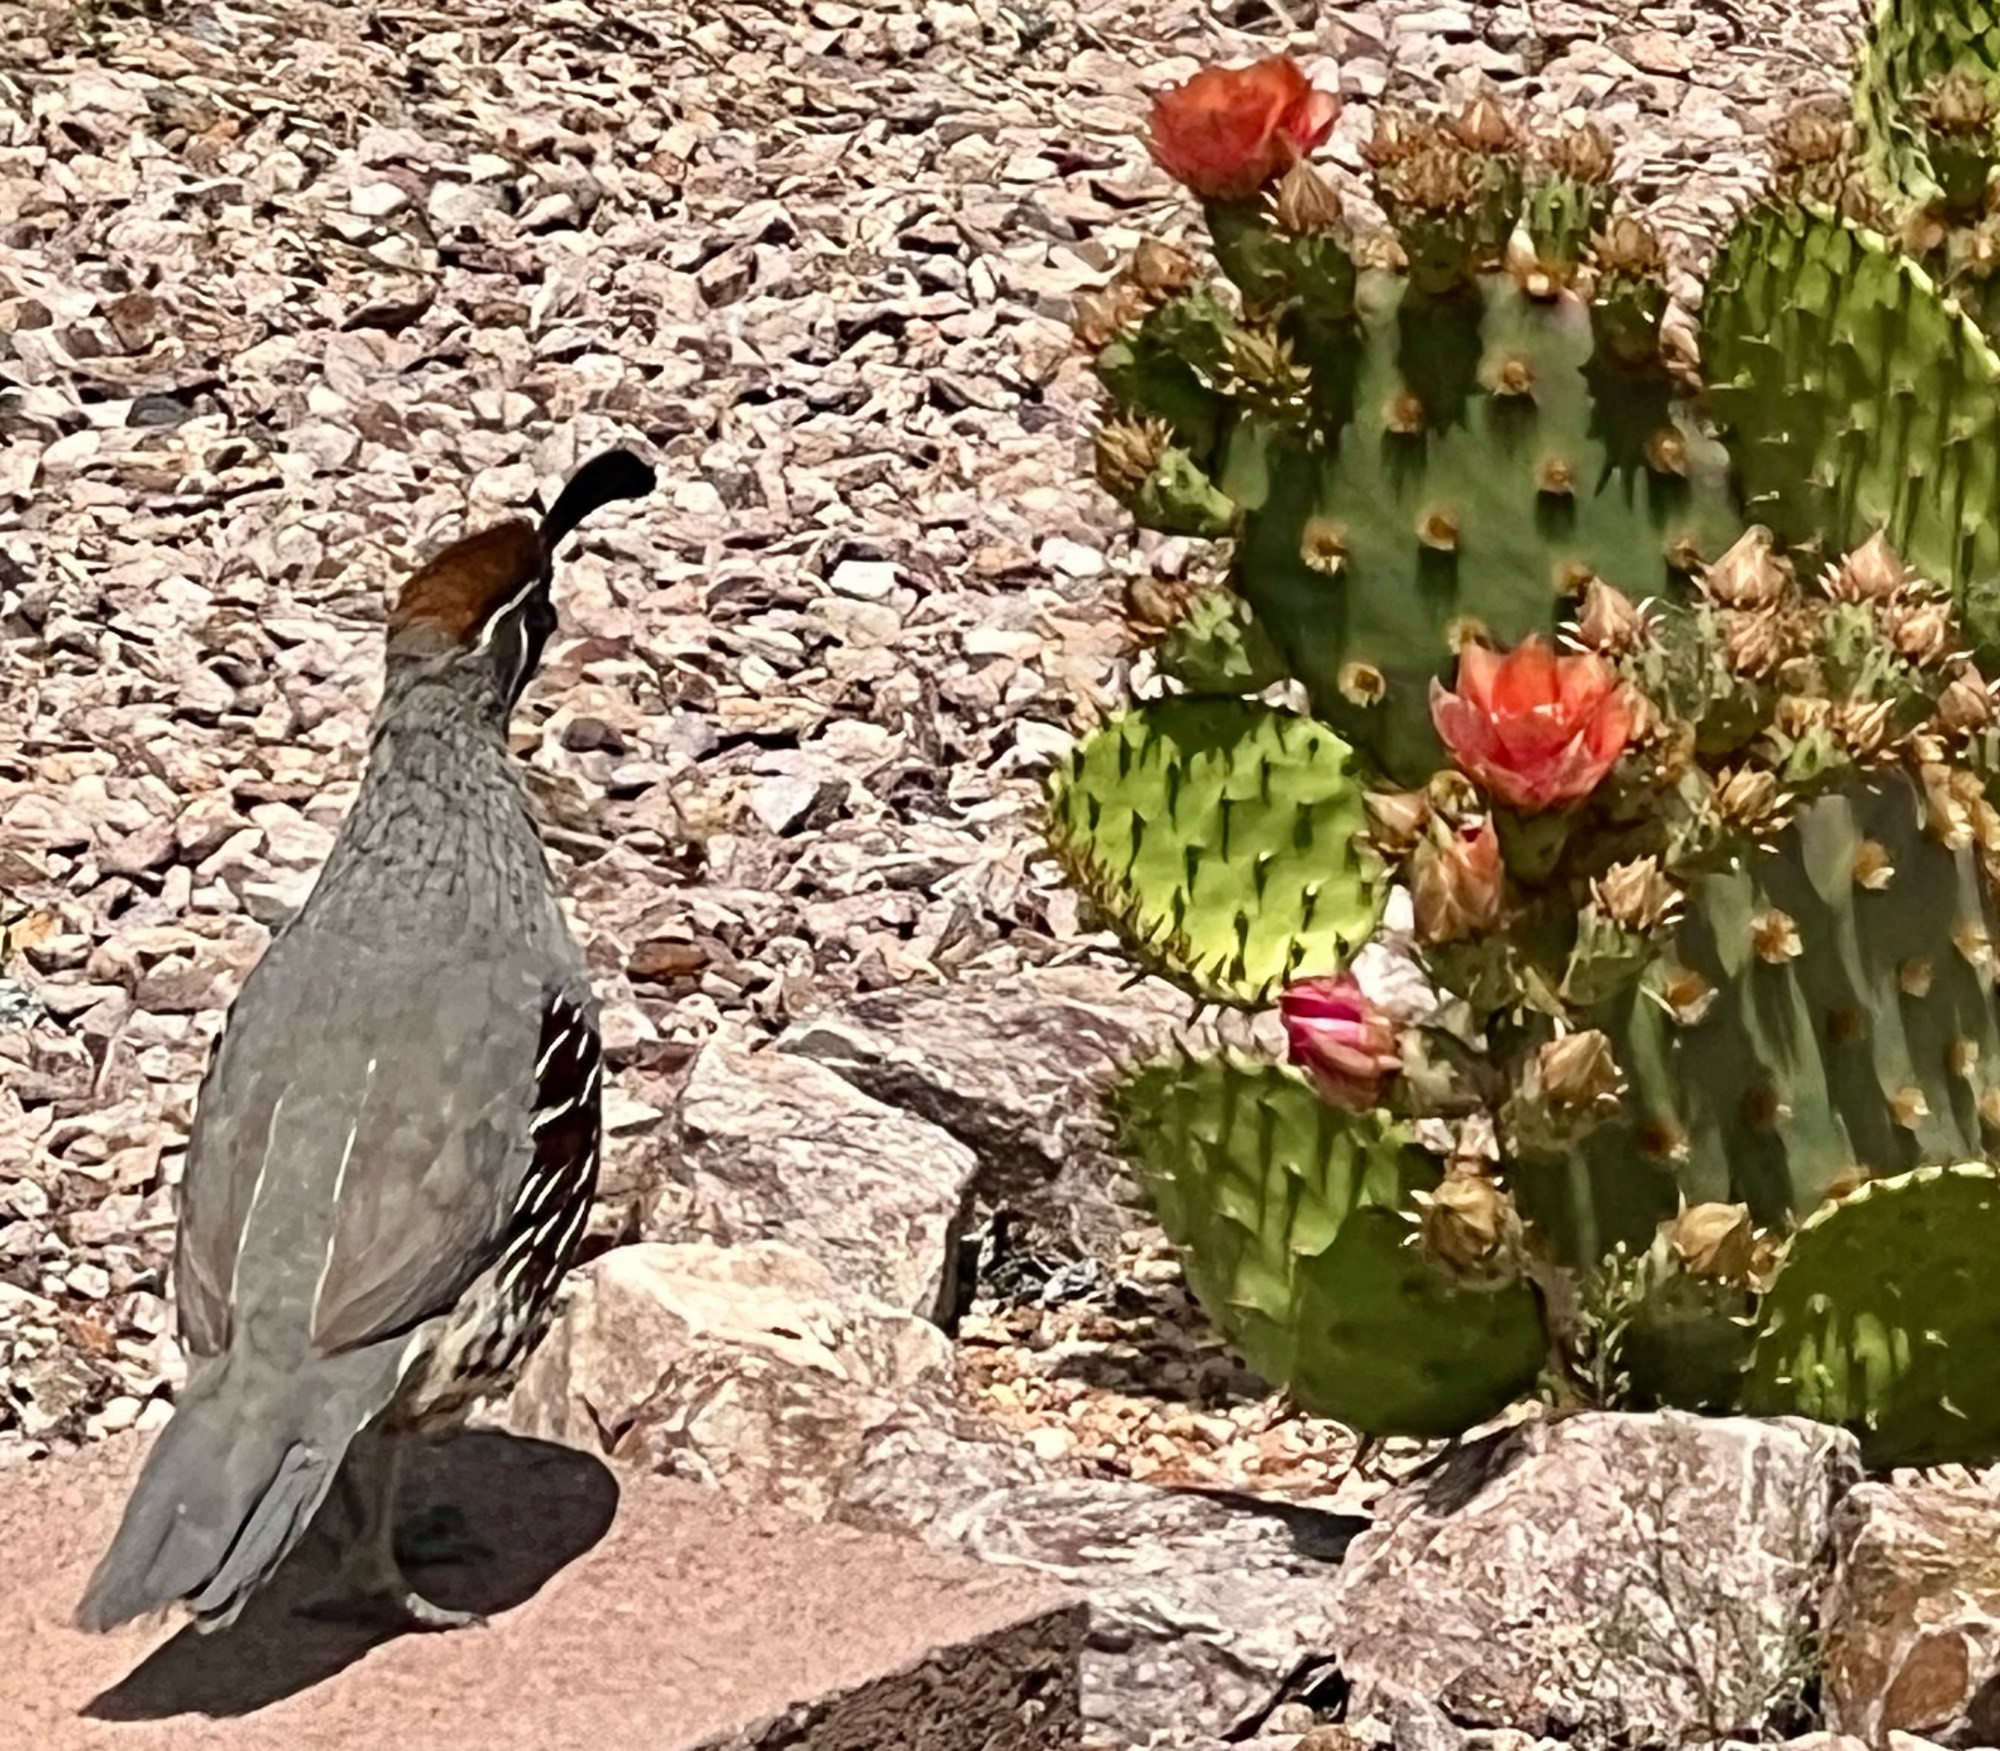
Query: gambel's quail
[(395, 1147)]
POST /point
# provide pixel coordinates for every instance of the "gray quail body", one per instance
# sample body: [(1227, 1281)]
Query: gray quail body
[(395, 1145)]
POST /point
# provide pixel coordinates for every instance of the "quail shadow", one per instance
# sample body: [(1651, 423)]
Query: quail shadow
[(536, 1506)]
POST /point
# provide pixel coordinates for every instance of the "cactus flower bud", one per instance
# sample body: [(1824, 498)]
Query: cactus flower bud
[(1966, 704), (1127, 451), (1756, 644), (1458, 883), (1468, 1222), (1103, 313), (1637, 896), (1714, 1241), (1578, 1071), (1534, 729), (1812, 134), (1339, 1039), (1871, 573), (1747, 798), (1483, 126), (1305, 204), (1581, 153), (1960, 103), (1752, 574), (1228, 131), (1923, 632), (1861, 726), (1610, 623), (1159, 268), (1396, 819), (1631, 247)]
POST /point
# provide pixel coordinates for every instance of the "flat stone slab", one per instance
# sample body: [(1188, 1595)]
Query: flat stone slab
[(625, 1611)]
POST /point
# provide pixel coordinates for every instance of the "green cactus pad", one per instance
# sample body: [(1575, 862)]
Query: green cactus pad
[(1854, 397), (1293, 1224), (1869, 1049), (1525, 465), (1221, 838), (1882, 1318), (1217, 647)]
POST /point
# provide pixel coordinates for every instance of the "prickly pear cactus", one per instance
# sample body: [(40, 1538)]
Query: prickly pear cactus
[(1223, 839), (1664, 698), (1884, 1319), (1856, 397), (1913, 46), (1293, 1219)]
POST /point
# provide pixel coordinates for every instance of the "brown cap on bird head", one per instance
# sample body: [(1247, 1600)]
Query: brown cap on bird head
[(490, 591)]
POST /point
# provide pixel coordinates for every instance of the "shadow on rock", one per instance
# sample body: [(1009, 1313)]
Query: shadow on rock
[(536, 1506)]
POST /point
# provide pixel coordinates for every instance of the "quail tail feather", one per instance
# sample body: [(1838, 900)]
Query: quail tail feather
[(231, 1486)]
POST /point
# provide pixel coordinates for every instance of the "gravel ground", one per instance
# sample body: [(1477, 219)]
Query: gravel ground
[(290, 294)]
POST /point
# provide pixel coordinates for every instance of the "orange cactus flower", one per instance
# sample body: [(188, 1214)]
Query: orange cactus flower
[(1534, 729), (1228, 131)]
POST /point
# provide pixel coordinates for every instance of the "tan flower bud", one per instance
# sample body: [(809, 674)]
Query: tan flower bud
[(1305, 204), (1756, 645), (1468, 1222), (1637, 895), (1483, 126), (1103, 313), (1799, 714), (1578, 1071), (1396, 819), (1127, 451), (1632, 247), (1959, 103), (1582, 153), (1871, 573), (1159, 268), (1458, 883), (1752, 574), (1747, 798), (1862, 726), (1456, 797), (1811, 134), (1610, 623), (1923, 632), (1966, 704), (1261, 359), (1154, 604), (1714, 1241)]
